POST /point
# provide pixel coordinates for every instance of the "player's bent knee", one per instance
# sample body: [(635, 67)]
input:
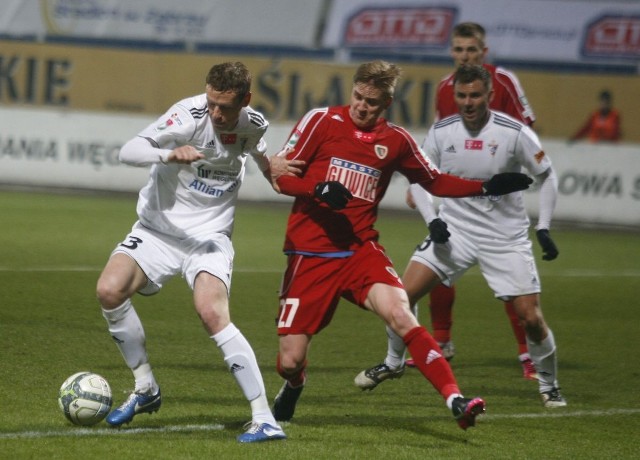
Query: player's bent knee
[(401, 319), (288, 367), (108, 296)]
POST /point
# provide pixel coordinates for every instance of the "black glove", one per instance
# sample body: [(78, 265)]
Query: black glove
[(504, 183), (333, 193), (438, 231), (549, 248)]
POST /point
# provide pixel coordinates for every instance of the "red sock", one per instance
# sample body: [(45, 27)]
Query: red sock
[(518, 330), (428, 359), (441, 306), (295, 379)]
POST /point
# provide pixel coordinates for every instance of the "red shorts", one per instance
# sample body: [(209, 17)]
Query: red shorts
[(313, 286)]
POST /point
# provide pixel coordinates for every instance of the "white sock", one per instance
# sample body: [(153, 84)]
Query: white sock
[(242, 364), (543, 355), (524, 356), (145, 382), (451, 398), (396, 348), (127, 333)]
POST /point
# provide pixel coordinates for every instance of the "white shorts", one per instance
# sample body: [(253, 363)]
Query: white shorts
[(161, 257), (508, 266)]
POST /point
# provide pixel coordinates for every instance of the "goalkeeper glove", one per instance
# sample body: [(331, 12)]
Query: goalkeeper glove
[(549, 248), (438, 231), (333, 193), (503, 183)]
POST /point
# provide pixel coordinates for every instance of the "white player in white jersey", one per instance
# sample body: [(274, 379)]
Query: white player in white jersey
[(195, 199), (491, 232), (197, 152)]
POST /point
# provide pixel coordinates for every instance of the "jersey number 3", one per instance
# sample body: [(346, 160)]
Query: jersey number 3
[(134, 241)]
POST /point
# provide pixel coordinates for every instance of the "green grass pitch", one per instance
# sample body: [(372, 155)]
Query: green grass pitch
[(53, 246)]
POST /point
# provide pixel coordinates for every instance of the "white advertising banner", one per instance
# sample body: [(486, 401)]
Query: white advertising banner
[(560, 31), (165, 21), (523, 30), (598, 184)]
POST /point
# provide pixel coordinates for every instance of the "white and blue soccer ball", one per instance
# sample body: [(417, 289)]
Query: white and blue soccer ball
[(85, 398)]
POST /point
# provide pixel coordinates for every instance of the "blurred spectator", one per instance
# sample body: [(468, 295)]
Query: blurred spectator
[(603, 124)]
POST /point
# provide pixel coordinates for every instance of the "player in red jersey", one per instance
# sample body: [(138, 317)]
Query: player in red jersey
[(468, 47), (350, 154)]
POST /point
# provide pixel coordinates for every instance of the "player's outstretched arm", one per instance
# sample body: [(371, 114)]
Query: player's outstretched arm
[(141, 151), (504, 183)]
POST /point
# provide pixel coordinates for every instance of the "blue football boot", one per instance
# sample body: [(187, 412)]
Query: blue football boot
[(137, 403)]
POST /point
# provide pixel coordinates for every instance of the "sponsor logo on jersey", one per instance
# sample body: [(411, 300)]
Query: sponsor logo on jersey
[(450, 149), (211, 144), (381, 151), (173, 119), (364, 137), (473, 144), (229, 138), (361, 180), (164, 125), (205, 188), (293, 140)]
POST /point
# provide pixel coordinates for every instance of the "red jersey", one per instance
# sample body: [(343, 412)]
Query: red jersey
[(335, 149), (508, 96)]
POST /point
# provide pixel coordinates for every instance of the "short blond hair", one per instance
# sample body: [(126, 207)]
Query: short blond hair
[(381, 74)]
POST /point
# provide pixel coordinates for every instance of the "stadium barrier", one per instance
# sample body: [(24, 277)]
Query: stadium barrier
[(598, 184)]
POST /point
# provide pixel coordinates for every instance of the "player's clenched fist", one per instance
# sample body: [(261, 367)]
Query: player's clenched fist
[(333, 193), (184, 154)]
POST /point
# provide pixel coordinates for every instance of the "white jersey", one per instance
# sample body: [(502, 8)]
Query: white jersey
[(503, 145), (198, 199)]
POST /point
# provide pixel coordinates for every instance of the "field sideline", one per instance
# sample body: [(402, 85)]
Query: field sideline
[(53, 246)]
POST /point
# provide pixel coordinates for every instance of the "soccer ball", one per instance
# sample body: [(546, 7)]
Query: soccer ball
[(85, 398)]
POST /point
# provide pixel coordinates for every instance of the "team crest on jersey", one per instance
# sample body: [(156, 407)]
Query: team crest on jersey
[(493, 147), (381, 151), (473, 144), (361, 180), (228, 138), (173, 119)]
